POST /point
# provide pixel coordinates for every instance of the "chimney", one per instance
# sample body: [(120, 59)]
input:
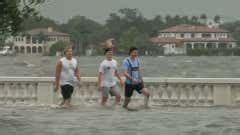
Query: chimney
[(50, 29)]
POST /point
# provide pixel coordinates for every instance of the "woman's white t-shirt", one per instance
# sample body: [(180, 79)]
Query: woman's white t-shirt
[(68, 71), (108, 69)]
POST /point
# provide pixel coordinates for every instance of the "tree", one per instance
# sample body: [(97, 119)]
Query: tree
[(217, 19), (125, 19), (177, 20), (155, 25), (234, 29), (194, 20), (115, 24), (168, 20), (203, 17), (38, 22), (13, 12), (81, 29), (127, 39), (57, 47), (185, 20), (133, 37)]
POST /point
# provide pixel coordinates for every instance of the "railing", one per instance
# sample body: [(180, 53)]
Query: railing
[(163, 91)]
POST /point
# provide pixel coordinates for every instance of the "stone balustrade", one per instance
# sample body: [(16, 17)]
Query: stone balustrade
[(164, 91)]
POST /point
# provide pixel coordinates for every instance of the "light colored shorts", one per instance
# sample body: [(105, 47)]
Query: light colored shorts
[(113, 91)]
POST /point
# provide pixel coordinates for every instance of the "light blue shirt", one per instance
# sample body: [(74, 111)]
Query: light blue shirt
[(135, 64)]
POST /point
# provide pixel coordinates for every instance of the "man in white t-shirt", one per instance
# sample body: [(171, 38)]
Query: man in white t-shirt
[(67, 73), (107, 82)]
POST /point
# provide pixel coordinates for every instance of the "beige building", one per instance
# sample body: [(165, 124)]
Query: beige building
[(38, 41), (176, 40)]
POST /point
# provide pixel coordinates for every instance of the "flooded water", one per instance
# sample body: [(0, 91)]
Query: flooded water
[(181, 66), (91, 120), (109, 121)]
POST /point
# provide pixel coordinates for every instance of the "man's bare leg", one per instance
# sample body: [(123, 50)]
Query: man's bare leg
[(126, 102), (104, 101), (66, 103), (146, 94), (117, 99)]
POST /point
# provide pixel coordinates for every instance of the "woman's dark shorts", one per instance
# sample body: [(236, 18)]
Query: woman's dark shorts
[(67, 91), (129, 88)]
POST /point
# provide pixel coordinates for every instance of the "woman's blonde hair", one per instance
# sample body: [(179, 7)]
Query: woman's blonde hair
[(67, 48)]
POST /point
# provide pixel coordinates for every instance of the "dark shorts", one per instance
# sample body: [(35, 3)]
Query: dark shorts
[(129, 88), (67, 91)]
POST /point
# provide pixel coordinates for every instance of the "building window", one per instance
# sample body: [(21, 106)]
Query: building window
[(182, 35), (22, 49), (34, 49), (34, 40), (206, 35), (28, 49), (209, 45), (222, 45), (199, 46), (40, 50), (16, 49), (28, 40), (202, 46), (192, 35), (195, 46), (189, 46)]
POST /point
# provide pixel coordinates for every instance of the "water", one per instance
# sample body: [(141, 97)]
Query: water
[(108, 121), (181, 66), (91, 120)]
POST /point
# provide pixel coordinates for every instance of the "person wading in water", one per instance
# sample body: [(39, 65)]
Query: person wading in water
[(134, 80), (67, 73)]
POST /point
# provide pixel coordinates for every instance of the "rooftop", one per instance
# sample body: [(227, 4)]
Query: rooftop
[(185, 28), (45, 31)]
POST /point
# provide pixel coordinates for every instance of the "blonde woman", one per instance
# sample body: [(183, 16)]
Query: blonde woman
[(67, 72)]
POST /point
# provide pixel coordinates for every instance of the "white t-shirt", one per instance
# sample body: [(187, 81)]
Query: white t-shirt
[(108, 69), (68, 71)]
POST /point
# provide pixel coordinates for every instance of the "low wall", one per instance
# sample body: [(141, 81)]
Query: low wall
[(164, 91)]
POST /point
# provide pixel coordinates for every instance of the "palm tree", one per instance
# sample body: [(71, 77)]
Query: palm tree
[(203, 17), (217, 19), (194, 20)]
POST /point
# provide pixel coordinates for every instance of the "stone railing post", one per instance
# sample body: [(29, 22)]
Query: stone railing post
[(222, 95), (45, 93)]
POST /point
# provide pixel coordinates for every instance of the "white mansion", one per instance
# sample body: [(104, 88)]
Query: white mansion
[(37, 41), (176, 40)]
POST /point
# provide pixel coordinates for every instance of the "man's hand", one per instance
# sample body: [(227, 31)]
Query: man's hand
[(100, 88), (56, 87), (135, 81), (121, 83), (79, 84)]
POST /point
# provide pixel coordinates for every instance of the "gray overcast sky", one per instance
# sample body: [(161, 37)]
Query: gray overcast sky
[(62, 10)]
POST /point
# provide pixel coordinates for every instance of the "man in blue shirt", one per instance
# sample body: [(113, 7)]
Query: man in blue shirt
[(134, 81)]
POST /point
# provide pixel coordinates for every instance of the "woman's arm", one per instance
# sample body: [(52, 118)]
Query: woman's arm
[(58, 74)]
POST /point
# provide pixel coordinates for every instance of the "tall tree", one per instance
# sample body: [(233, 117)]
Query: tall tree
[(81, 29), (217, 19), (38, 22), (203, 17), (13, 12)]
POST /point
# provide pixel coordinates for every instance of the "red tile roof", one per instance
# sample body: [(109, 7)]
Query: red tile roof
[(45, 31), (184, 28), (173, 40)]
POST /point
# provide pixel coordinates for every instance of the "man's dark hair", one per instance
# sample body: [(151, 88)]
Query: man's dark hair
[(133, 48), (107, 50)]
